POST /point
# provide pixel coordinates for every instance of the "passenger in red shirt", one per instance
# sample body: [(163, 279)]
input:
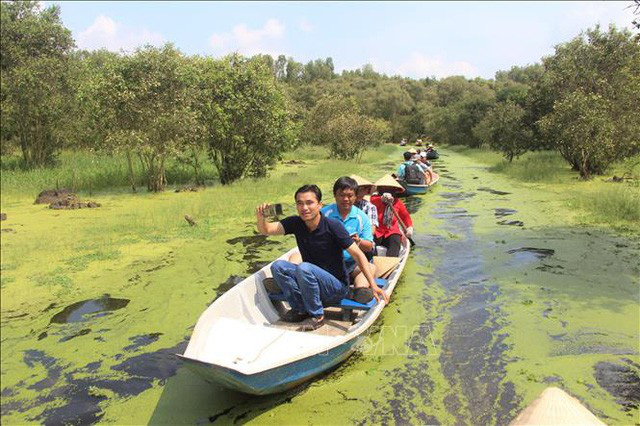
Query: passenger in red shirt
[(389, 233)]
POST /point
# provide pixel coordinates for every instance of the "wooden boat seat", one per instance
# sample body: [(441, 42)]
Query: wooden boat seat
[(346, 304)]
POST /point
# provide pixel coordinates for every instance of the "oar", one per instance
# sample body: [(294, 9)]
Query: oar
[(404, 228)]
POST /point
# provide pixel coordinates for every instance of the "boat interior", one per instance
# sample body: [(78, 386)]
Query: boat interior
[(341, 318), (244, 332)]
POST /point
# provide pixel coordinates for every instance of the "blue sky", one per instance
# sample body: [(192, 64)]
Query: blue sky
[(414, 39)]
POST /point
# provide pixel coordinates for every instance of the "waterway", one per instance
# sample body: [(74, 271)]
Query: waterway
[(502, 297)]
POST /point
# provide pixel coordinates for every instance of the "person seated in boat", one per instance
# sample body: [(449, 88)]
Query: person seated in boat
[(410, 172), (390, 209), (349, 194), (428, 167), (358, 225), (322, 277), (365, 189)]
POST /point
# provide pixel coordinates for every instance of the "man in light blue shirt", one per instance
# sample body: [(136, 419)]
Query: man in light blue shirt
[(356, 222), (411, 160)]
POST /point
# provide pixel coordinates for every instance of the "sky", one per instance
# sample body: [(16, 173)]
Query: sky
[(412, 39)]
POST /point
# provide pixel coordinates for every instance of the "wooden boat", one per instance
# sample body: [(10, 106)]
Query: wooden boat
[(240, 342), (555, 407), (412, 189)]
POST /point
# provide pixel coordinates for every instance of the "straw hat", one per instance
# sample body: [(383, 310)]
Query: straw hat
[(361, 181), (387, 181), (412, 151)]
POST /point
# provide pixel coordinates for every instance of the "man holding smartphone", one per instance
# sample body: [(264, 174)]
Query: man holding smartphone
[(322, 276)]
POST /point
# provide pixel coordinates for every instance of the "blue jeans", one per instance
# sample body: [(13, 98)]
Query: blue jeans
[(307, 287)]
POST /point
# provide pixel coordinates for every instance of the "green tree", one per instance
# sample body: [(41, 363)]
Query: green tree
[(505, 130), (460, 106), (603, 66), (338, 122), (583, 130), (244, 116), (315, 129), (351, 134), (145, 106), (36, 90), (294, 71)]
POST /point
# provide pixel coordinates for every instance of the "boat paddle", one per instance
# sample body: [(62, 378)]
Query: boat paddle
[(403, 226)]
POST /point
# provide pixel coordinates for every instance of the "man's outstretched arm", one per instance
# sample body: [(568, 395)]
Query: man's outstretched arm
[(264, 227)]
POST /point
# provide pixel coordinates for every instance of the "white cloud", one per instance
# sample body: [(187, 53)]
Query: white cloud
[(305, 26), (421, 66), (250, 41), (587, 14), (111, 35)]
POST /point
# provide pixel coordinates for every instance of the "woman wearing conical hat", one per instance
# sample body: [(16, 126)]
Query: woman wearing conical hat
[(388, 233), (366, 188)]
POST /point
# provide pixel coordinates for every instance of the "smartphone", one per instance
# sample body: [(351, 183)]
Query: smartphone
[(273, 210)]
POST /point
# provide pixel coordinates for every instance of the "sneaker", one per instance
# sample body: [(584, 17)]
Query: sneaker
[(294, 316), (362, 295), (312, 323), (271, 285)]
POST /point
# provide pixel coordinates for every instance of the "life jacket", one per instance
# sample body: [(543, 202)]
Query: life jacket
[(413, 174)]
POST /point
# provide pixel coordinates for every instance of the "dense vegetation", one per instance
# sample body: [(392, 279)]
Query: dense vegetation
[(157, 106)]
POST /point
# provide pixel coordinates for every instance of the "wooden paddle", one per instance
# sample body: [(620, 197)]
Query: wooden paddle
[(403, 226)]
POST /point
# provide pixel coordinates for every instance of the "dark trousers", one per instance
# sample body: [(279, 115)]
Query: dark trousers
[(393, 243)]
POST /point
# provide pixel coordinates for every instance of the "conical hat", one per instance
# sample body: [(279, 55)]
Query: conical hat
[(361, 181), (555, 407), (389, 182), (412, 151), (385, 265)]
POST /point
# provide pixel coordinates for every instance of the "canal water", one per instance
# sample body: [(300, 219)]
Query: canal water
[(502, 297)]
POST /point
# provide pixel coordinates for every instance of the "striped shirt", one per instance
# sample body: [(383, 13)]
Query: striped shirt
[(369, 209)]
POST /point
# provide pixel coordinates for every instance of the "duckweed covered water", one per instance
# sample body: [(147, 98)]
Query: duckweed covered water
[(484, 318)]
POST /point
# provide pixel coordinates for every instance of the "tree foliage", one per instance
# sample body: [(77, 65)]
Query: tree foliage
[(505, 130), (246, 123), (598, 73), (583, 130), (145, 101), (351, 134), (338, 122), (36, 86), (157, 103)]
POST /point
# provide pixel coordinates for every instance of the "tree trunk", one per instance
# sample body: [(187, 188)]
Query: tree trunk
[(155, 174), (131, 176), (196, 166)]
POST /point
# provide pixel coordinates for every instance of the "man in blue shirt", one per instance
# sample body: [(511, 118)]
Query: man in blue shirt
[(357, 224), (322, 276), (417, 178)]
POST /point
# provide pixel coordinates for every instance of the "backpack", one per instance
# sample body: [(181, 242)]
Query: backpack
[(413, 174)]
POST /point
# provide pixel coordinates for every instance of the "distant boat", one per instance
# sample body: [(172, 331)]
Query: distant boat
[(555, 407), (432, 155), (413, 189), (240, 342)]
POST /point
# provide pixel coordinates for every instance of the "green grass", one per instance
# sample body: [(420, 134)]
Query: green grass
[(617, 205), (539, 166), (601, 202), (85, 172), (88, 172), (535, 167)]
